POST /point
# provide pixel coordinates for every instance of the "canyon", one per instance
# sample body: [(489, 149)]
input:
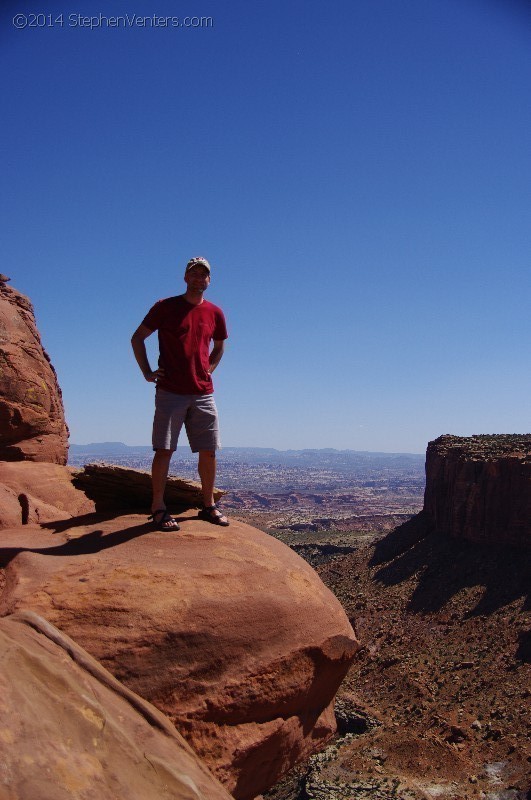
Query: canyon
[(356, 631)]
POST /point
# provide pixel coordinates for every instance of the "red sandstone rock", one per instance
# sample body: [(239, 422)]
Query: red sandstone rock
[(114, 487), (226, 630), (69, 729), (479, 487), (10, 508), (32, 421), (36, 492)]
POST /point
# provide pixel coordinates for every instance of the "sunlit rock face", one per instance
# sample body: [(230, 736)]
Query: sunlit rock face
[(225, 630), (36, 492), (479, 487), (69, 729), (32, 420)]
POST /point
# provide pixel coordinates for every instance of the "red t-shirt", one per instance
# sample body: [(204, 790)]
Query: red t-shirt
[(185, 332)]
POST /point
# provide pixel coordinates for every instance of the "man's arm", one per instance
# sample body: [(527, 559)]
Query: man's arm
[(215, 354), (139, 349)]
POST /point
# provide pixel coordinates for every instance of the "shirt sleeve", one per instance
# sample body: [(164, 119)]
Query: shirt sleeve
[(220, 330), (153, 318)]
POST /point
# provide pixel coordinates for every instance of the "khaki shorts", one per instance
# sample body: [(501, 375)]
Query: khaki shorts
[(199, 414)]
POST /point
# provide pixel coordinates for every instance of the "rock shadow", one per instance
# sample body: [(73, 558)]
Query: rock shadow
[(400, 539), (105, 514), (443, 566), (92, 542), (94, 518), (524, 646)]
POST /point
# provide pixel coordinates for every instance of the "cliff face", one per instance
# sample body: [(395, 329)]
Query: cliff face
[(479, 487), (32, 420)]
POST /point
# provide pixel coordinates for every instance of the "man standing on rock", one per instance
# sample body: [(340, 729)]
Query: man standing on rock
[(186, 325)]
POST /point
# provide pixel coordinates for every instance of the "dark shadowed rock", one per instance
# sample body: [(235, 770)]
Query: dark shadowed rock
[(32, 421), (69, 729), (112, 487), (226, 630), (479, 487)]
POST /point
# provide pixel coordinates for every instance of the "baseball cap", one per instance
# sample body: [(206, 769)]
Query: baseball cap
[(198, 261)]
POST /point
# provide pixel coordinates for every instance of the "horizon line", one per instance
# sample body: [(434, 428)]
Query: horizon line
[(261, 447)]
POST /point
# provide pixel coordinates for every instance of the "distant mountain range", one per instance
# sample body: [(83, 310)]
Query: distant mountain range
[(108, 447), (306, 457), (120, 447)]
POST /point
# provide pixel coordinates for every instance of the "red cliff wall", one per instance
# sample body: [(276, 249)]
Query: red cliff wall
[(32, 420), (479, 487)]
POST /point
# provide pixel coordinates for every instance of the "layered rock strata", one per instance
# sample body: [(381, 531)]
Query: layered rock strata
[(225, 630), (479, 487), (69, 729), (112, 487), (32, 421)]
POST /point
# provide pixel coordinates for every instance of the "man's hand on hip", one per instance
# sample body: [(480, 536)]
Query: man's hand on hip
[(153, 377)]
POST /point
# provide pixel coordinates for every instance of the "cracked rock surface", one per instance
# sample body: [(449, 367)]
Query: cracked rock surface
[(69, 729)]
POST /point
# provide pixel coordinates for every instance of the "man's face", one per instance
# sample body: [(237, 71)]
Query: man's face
[(197, 278)]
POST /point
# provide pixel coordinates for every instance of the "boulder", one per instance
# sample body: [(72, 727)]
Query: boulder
[(33, 492), (32, 420), (479, 488), (226, 630), (113, 487), (69, 729)]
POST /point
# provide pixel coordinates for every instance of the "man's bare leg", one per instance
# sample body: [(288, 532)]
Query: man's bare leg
[(207, 472), (159, 477)]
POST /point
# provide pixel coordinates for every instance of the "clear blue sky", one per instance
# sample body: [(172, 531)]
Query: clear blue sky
[(358, 173)]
